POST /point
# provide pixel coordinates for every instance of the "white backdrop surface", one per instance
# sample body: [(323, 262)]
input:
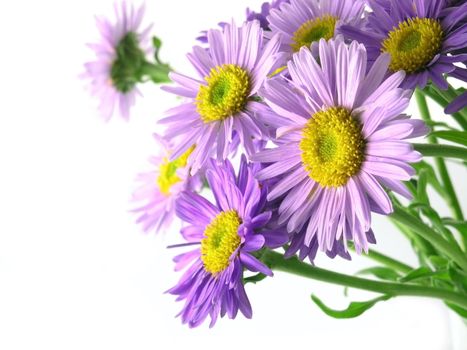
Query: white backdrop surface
[(76, 272)]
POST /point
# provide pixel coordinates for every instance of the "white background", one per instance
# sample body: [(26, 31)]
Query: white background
[(76, 272)]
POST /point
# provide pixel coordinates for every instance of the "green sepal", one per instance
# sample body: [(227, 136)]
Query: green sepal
[(254, 279)]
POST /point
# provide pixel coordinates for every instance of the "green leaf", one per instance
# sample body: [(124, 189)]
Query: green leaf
[(438, 262), (355, 308), (456, 308), (458, 278), (455, 136), (435, 220), (420, 273), (460, 226), (432, 124), (254, 279), (422, 195), (381, 272), (430, 174)]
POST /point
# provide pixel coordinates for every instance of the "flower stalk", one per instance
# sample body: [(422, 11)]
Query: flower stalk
[(277, 262)]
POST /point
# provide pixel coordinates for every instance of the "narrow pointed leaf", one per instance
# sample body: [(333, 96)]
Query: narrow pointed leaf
[(381, 272), (355, 308), (455, 136)]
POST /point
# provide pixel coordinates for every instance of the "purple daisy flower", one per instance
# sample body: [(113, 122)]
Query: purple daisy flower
[(221, 105), (419, 35), (304, 22), (226, 235), (161, 187), (344, 140), (120, 59), (266, 8)]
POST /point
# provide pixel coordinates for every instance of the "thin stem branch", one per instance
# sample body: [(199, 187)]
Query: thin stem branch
[(276, 261)]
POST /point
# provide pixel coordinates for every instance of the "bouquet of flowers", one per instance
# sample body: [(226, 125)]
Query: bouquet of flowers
[(290, 136)]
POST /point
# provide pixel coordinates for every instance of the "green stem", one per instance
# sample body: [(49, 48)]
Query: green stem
[(158, 73), (419, 227), (276, 261), (432, 150), (450, 194)]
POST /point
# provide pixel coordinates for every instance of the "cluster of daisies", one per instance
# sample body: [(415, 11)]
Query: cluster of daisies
[(295, 123)]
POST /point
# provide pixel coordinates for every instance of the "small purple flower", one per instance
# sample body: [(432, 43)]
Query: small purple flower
[(226, 236), (342, 140), (304, 22), (220, 105), (120, 58), (161, 187), (421, 37)]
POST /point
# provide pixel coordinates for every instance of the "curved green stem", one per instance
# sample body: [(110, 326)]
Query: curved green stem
[(432, 150), (419, 227), (276, 261)]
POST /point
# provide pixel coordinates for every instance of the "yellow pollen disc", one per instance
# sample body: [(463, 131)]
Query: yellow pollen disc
[(220, 241), (168, 171), (413, 44), (314, 30), (225, 94), (332, 147)]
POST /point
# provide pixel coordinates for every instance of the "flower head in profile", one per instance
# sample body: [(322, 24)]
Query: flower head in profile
[(344, 144), (120, 60), (304, 22), (161, 187), (220, 104), (419, 35), (225, 236)]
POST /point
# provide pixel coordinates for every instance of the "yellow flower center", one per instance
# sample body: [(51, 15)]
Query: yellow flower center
[(225, 94), (168, 171), (220, 240), (332, 147), (413, 44), (314, 30)]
